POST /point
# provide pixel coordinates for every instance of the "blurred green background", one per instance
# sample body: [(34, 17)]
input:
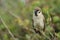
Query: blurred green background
[(16, 18)]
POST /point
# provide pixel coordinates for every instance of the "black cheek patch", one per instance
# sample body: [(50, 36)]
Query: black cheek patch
[(36, 12)]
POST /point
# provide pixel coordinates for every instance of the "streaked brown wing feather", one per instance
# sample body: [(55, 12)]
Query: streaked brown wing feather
[(44, 25)]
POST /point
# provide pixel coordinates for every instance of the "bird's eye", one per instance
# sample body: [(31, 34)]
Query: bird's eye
[(39, 12)]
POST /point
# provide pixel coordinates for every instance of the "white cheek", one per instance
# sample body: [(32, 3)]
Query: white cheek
[(39, 13)]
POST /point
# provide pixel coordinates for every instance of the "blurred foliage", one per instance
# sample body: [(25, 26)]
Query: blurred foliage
[(17, 15)]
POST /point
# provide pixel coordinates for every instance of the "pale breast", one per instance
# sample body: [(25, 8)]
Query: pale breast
[(39, 20)]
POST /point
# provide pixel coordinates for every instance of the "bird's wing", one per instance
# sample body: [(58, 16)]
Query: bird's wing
[(33, 23), (44, 24)]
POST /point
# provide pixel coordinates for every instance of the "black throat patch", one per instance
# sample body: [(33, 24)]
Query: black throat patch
[(36, 12)]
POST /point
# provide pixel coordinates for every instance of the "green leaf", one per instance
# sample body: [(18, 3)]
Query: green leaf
[(56, 19)]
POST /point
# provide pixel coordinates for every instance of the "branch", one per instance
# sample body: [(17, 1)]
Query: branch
[(10, 12), (7, 28)]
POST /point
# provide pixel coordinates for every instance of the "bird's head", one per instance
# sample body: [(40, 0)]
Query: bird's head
[(37, 11)]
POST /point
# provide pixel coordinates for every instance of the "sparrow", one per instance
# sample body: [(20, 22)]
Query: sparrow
[(38, 20)]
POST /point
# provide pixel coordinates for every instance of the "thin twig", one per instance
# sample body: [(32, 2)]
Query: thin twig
[(7, 28), (10, 12), (45, 35)]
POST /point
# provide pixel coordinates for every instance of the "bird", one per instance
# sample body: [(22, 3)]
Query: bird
[(38, 20)]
